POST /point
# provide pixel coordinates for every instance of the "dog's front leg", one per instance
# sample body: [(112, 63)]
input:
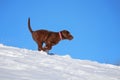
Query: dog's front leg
[(48, 47)]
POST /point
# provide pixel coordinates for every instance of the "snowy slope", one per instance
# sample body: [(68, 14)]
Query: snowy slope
[(23, 64)]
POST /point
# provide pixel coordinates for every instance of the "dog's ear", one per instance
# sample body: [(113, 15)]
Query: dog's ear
[(65, 32)]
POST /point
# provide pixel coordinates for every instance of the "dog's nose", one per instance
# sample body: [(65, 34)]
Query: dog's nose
[(71, 37)]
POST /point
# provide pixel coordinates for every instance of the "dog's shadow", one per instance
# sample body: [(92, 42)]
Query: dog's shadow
[(47, 51), (50, 53)]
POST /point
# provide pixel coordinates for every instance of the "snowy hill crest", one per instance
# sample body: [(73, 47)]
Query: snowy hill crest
[(23, 64)]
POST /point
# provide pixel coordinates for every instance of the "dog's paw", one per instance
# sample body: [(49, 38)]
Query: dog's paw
[(43, 52)]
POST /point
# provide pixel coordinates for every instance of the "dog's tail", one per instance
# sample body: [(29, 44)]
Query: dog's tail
[(30, 29)]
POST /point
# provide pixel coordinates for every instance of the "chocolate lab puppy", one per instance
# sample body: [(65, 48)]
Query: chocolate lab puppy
[(48, 38)]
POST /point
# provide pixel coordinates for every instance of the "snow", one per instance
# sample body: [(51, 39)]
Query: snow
[(23, 64)]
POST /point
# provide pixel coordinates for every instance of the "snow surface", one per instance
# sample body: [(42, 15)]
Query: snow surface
[(23, 64)]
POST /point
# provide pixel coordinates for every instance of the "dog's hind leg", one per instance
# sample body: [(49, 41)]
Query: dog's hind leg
[(40, 46)]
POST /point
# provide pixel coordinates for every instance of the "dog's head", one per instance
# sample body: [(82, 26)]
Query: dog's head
[(66, 35)]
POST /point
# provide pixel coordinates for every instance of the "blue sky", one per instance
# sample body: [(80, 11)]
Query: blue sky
[(95, 25)]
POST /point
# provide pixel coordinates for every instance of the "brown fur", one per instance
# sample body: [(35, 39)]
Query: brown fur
[(48, 37)]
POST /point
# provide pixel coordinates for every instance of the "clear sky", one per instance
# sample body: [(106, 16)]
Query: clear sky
[(95, 25)]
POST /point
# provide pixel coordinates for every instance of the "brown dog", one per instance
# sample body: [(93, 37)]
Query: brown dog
[(48, 37)]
